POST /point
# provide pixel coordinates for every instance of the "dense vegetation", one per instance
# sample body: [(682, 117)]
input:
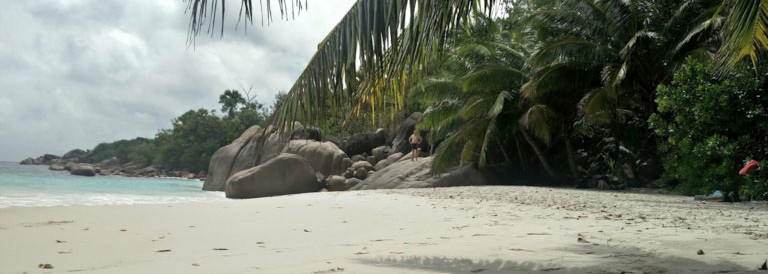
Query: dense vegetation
[(711, 127), (603, 92), (193, 138)]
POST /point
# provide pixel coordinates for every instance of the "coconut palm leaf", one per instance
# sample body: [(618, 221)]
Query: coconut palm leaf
[(389, 39), (747, 33), (537, 120)]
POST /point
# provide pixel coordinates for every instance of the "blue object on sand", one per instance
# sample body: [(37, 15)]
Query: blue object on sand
[(716, 193)]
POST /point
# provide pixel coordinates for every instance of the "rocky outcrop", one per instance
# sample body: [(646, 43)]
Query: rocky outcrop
[(403, 174), (82, 170), (306, 134), (417, 174), (325, 157), (28, 161), (386, 162), (285, 174), (109, 163), (400, 142), (75, 155), (363, 142), (469, 175), (46, 159), (255, 146)]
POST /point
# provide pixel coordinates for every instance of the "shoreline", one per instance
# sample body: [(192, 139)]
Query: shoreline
[(489, 229)]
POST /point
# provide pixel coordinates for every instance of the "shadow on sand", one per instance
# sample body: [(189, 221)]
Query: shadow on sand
[(602, 259)]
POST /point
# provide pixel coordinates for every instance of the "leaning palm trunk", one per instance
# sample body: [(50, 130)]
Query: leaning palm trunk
[(389, 41), (544, 163), (569, 153)]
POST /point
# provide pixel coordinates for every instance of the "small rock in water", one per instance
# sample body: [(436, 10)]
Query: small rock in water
[(45, 266), (700, 252)]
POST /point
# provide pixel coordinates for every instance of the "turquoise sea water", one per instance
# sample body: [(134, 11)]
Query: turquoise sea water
[(33, 186)]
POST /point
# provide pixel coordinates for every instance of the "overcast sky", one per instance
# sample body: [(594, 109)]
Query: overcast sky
[(75, 73)]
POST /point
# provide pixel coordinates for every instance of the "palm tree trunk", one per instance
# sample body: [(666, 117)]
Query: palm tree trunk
[(569, 151), (503, 151), (539, 154), (520, 155)]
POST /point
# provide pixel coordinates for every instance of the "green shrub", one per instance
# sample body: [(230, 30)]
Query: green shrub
[(711, 127)]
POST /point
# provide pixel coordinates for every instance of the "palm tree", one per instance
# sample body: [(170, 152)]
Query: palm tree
[(746, 33), (468, 94), (605, 58), (390, 39), (230, 101)]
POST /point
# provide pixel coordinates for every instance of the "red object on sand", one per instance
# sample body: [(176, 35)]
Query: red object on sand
[(748, 167)]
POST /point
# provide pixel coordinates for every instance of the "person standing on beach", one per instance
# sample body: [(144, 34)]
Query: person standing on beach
[(415, 140)]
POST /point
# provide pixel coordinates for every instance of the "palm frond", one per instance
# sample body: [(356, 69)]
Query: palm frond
[(388, 40), (437, 117), (437, 90), (600, 101), (537, 120), (491, 132), (747, 33), (492, 78), (498, 105), (447, 154)]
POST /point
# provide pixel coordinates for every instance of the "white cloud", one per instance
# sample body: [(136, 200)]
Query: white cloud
[(74, 73)]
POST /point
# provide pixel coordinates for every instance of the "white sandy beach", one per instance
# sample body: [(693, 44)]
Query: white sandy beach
[(448, 230)]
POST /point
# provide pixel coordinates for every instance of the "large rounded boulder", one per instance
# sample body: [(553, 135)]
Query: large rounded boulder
[(75, 155), (255, 146), (83, 170), (325, 157), (282, 175), (400, 142), (363, 142), (402, 174)]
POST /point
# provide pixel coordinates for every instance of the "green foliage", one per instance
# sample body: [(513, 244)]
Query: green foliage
[(710, 127), (472, 86), (230, 101), (193, 138), (140, 151)]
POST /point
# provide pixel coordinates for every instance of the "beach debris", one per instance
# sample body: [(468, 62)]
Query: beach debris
[(307, 230), (581, 239), (45, 266), (764, 266), (220, 249), (477, 270), (163, 250), (335, 269), (360, 253), (123, 230), (519, 249), (65, 252), (195, 264), (60, 241), (700, 252)]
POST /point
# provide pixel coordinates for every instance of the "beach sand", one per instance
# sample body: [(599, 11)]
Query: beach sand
[(494, 229)]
